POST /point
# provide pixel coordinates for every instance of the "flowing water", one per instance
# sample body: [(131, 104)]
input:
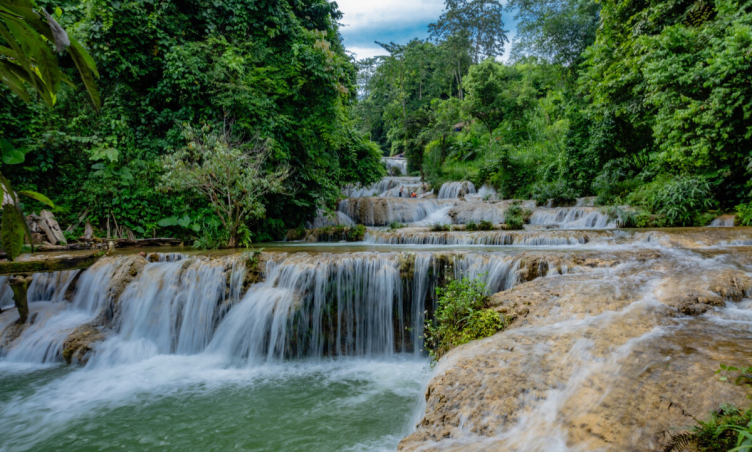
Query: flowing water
[(318, 347)]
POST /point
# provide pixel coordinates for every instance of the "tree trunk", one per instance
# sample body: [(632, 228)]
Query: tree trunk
[(20, 287)]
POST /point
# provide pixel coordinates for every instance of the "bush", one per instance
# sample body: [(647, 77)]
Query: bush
[(514, 217), (471, 226), (356, 234), (462, 315), (485, 225), (558, 191), (744, 214), (720, 433), (394, 225), (679, 200), (440, 227)]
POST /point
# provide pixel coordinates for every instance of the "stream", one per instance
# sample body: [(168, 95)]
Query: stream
[(318, 346)]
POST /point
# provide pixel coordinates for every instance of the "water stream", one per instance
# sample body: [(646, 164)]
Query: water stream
[(319, 346)]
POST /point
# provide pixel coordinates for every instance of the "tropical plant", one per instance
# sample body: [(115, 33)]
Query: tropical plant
[(462, 315), (228, 174), (29, 61), (744, 214)]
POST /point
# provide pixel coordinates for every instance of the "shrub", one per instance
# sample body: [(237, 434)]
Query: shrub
[(485, 225), (356, 234), (680, 200), (394, 225), (471, 226), (462, 315), (724, 431), (744, 214), (558, 191), (440, 227), (514, 217)]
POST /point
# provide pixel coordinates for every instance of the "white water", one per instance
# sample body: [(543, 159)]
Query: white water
[(400, 164), (572, 218), (456, 189)]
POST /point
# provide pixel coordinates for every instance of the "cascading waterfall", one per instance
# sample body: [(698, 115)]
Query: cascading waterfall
[(53, 318), (572, 218), (456, 189)]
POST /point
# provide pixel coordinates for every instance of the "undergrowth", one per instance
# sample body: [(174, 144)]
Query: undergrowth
[(462, 315)]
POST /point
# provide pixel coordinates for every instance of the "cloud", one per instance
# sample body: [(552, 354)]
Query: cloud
[(366, 21)]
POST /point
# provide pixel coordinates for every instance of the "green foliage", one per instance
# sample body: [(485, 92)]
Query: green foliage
[(229, 175), (558, 191), (727, 429), (462, 315), (278, 68), (678, 200), (514, 217), (744, 214), (441, 227), (394, 225), (29, 59), (483, 225)]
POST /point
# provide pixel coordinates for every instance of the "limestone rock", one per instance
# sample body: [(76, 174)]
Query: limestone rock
[(78, 345)]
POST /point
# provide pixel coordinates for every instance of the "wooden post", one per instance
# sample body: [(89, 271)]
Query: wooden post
[(20, 287)]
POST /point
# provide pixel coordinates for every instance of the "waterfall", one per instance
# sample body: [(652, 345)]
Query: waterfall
[(456, 189), (174, 305), (572, 218), (309, 306)]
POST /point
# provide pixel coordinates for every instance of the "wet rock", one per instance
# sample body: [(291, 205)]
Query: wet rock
[(592, 360), (78, 345)]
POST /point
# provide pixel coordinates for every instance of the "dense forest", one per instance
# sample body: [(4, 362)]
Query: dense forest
[(641, 103), (195, 76)]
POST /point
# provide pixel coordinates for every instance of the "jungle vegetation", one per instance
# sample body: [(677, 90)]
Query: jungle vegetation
[(271, 76), (642, 103), (645, 103)]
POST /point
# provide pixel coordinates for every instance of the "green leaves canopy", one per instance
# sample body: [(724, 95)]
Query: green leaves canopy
[(26, 57)]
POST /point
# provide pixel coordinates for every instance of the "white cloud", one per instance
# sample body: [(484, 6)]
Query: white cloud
[(366, 21), (388, 13)]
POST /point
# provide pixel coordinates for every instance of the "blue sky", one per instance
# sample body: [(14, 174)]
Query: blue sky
[(367, 21)]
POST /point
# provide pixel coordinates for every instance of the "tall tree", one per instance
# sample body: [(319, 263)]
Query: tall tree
[(480, 19), (557, 31)]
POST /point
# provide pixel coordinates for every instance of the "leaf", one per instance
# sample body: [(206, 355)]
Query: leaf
[(87, 69), (11, 155), (38, 197), (196, 227), (12, 231), (185, 221), (166, 222)]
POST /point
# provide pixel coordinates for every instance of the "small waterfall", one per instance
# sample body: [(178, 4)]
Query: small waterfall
[(456, 189), (174, 305), (382, 211), (486, 193), (572, 218), (389, 187), (323, 220), (724, 221), (399, 163), (489, 238), (312, 306)]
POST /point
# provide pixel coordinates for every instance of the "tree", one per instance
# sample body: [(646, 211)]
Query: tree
[(480, 19), (492, 93), (229, 174), (557, 31)]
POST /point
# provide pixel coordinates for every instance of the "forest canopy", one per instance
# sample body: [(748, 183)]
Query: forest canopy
[(274, 70), (640, 103)]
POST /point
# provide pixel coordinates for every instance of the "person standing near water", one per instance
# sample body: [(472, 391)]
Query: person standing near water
[(402, 188)]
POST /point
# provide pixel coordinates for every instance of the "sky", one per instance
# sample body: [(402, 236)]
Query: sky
[(367, 21)]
